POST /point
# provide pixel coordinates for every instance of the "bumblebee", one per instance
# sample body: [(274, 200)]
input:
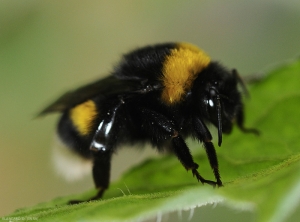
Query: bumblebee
[(158, 94)]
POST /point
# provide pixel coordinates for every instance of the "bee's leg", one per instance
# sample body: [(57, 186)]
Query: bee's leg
[(182, 152), (240, 122), (102, 146), (101, 175), (204, 136), (161, 128)]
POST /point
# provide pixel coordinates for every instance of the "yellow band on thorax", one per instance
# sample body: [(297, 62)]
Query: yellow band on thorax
[(180, 69)]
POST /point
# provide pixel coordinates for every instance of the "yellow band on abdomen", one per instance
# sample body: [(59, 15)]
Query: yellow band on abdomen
[(83, 115)]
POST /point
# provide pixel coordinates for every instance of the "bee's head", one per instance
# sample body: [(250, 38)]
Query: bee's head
[(218, 99)]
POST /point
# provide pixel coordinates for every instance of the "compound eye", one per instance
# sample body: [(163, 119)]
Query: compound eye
[(212, 92)]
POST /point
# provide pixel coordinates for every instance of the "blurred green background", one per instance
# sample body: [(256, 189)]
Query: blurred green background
[(48, 47)]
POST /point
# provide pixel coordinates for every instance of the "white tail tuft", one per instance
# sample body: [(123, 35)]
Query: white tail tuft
[(69, 164)]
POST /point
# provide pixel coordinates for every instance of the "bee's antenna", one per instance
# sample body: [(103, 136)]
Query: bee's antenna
[(219, 120), (216, 97)]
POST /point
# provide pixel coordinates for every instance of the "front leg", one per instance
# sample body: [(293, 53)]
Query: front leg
[(204, 136), (182, 152), (160, 128)]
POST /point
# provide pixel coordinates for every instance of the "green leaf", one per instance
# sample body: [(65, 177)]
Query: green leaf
[(260, 173)]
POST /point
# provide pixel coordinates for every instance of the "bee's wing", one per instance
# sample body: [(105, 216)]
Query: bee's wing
[(105, 87)]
